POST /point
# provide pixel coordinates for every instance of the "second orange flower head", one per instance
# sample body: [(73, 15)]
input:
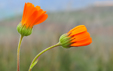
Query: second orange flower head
[(76, 37), (31, 16)]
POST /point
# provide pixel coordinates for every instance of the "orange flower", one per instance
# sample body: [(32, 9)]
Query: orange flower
[(76, 37), (31, 16)]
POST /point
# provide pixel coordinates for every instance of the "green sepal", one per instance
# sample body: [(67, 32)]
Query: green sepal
[(65, 41), (23, 30)]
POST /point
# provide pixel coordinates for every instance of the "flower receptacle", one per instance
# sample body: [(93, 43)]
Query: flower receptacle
[(65, 41), (23, 30)]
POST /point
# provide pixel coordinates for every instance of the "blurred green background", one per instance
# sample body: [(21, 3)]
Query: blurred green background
[(96, 15)]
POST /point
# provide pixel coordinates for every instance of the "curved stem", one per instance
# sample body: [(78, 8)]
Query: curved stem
[(18, 53), (35, 60)]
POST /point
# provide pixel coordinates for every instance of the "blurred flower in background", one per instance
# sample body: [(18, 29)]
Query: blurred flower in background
[(63, 15)]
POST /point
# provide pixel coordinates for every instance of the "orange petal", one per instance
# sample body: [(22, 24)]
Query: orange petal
[(82, 43), (32, 18), (77, 30), (38, 7), (80, 36), (40, 12), (42, 18), (37, 15), (23, 17), (28, 11)]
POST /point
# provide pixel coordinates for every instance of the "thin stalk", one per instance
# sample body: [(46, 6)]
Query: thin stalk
[(18, 53), (35, 60)]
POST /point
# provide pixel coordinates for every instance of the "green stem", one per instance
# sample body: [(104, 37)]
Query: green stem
[(18, 53), (35, 60)]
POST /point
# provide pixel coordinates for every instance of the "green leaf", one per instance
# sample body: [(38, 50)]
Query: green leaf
[(33, 64)]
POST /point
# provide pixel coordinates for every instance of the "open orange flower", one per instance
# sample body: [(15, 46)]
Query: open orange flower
[(31, 16), (76, 37)]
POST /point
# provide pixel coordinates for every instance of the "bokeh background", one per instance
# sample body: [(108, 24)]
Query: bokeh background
[(63, 15)]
